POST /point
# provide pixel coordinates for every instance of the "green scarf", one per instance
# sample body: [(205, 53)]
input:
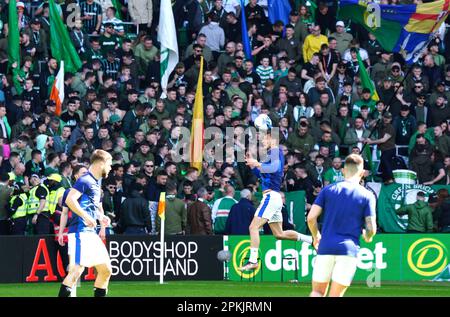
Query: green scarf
[(8, 128)]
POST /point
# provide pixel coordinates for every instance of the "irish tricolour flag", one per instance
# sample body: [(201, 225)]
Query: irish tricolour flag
[(57, 92)]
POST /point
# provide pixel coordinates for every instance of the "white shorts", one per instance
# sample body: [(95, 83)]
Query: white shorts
[(87, 249), (270, 207), (339, 268)]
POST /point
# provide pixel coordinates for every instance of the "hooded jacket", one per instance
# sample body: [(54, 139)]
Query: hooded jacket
[(135, 211), (420, 216)]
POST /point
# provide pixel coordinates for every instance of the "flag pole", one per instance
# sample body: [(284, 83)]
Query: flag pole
[(161, 263), (161, 214)]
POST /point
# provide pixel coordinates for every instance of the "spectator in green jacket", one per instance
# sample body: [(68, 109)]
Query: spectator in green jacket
[(301, 141), (420, 215), (176, 213)]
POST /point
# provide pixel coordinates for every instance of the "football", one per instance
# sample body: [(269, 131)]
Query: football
[(263, 122)]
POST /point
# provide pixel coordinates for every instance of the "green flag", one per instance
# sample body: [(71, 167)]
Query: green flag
[(394, 196), (13, 35), (366, 82), (14, 45), (118, 6), (60, 43)]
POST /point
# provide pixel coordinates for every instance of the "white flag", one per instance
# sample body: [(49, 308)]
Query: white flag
[(167, 36)]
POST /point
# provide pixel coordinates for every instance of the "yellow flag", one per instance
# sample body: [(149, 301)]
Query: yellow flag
[(197, 128), (162, 206)]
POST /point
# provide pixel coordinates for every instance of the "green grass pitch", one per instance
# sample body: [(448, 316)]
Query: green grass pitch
[(227, 289)]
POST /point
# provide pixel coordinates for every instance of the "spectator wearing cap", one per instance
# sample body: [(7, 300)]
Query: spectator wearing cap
[(420, 215), (23, 18), (366, 100), (342, 37), (438, 111), (241, 215), (109, 40), (439, 90), (313, 43), (300, 25), (386, 144), (38, 38), (290, 44), (405, 125), (381, 69)]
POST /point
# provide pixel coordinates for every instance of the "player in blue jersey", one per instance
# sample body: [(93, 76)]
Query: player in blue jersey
[(86, 249), (269, 210), (347, 207)]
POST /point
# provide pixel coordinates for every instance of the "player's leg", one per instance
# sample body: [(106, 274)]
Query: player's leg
[(343, 273), (102, 263), (254, 228), (69, 282), (323, 269), (104, 272), (277, 231), (276, 222)]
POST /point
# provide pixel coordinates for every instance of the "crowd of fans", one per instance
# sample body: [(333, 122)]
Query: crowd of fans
[(304, 75)]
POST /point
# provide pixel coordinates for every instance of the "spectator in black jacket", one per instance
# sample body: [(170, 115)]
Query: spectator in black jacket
[(135, 214), (241, 215)]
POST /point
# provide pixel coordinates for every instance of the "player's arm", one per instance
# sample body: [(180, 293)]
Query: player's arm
[(371, 228), (62, 224), (313, 215), (370, 219), (72, 203)]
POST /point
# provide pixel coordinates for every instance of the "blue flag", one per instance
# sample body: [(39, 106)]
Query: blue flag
[(245, 40), (279, 10)]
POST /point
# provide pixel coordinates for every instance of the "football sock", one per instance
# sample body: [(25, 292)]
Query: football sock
[(64, 291), (304, 238), (99, 292), (253, 255)]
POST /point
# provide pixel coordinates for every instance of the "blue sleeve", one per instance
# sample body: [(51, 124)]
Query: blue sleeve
[(271, 166), (66, 193), (370, 210), (320, 200), (81, 185), (257, 172)]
